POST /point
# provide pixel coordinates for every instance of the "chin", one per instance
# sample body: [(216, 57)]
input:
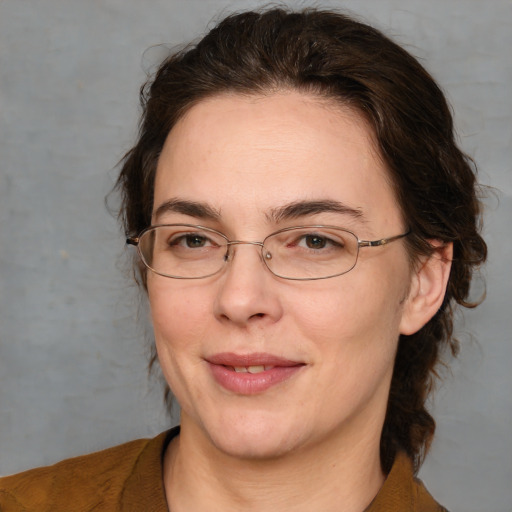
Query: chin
[(250, 437), (245, 448)]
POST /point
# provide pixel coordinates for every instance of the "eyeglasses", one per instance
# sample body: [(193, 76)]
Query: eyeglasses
[(186, 251)]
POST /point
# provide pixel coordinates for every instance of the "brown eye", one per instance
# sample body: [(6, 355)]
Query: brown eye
[(190, 241), (194, 241), (315, 241)]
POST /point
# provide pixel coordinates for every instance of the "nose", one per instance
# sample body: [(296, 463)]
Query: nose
[(248, 292)]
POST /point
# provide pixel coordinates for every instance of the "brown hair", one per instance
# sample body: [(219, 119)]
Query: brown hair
[(333, 56)]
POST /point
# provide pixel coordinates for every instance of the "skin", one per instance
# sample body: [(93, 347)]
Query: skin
[(315, 435)]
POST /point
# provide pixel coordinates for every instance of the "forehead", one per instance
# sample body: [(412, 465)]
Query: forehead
[(254, 153)]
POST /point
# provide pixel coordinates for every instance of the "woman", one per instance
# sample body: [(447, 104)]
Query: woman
[(305, 224)]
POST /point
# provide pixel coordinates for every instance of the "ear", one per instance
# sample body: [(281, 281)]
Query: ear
[(427, 288)]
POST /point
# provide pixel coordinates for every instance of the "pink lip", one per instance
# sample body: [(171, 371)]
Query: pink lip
[(222, 368)]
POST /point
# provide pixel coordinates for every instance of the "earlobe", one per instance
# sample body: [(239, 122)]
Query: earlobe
[(427, 289)]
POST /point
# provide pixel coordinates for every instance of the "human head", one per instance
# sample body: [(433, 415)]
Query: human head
[(331, 56)]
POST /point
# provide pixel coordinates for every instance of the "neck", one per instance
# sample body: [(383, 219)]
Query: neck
[(339, 473)]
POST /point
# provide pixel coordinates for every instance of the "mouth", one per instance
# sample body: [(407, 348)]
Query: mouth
[(252, 373), (252, 369)]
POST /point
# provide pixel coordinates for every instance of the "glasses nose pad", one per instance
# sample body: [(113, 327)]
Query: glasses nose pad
[(267, 255)]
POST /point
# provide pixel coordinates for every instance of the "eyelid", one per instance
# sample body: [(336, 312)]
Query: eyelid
[(201, 224), (324, 230), (329, 235), (200, 231)]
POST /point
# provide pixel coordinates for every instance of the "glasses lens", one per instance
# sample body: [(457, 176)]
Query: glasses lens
[(182, 251), (311, 252)]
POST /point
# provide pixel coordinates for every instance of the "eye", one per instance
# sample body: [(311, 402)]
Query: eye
[(315, 241), (318, 241), (191, 241)]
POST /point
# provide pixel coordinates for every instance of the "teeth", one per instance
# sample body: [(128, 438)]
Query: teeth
[(255, 369), (251, 369)]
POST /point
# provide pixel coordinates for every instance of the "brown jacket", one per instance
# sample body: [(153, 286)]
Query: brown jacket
[(129, 478)]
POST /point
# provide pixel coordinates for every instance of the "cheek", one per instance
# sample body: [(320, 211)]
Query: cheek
[(352, 316), (179, 316), (180, 328)]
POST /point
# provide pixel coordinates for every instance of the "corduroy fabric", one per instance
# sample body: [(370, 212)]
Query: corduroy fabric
[(128, 478)]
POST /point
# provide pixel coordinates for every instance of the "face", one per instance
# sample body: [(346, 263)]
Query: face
[(319, 353)]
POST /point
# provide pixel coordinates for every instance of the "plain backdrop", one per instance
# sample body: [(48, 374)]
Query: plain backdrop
[(73, 348)]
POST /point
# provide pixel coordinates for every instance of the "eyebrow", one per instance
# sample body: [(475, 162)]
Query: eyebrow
[(190, 208), (299, 209), (288, 211)]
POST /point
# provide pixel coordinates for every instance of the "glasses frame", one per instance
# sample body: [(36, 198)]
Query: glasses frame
[(134, 240)]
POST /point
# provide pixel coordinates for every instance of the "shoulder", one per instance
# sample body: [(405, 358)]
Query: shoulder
[(90, 482), (424, 500), (402, 492)]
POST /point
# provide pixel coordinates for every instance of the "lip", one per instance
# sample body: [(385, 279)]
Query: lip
[(222, 367)]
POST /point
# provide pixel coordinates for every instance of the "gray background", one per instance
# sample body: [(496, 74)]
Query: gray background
[(72, 336)]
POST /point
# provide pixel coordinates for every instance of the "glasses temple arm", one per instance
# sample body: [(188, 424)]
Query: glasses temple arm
[(382, 241), (132, 240)]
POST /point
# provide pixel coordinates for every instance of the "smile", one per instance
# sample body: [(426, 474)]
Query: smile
[(251, 374), (252, 369)]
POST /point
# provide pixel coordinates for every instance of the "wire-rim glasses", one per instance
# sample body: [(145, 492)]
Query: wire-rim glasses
[(301, 253)]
